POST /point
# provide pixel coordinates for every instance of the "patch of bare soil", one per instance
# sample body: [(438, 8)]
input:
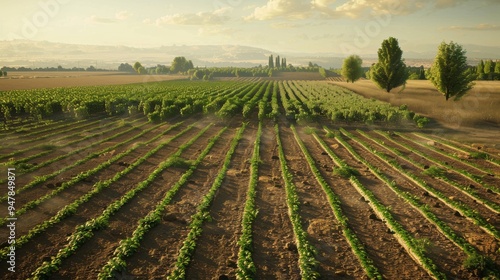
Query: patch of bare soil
[(34, 80), (216, 252), (273, 240)]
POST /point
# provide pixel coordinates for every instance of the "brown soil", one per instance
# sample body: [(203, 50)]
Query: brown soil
[(34, 80), (275, 254)]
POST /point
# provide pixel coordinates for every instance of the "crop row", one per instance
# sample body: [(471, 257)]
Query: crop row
[(301, 100), (307, 260), (98, 187), (412, 200), (129, 246), (458, 206), (335, 204), (85, 231), (202, 214)]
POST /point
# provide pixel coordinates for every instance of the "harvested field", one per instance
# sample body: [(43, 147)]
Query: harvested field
[(34, 80)]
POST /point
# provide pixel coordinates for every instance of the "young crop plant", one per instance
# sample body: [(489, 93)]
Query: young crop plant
[(85, 231), (246, 266), (307, 260), (130, 245), (72, 207), (335, 204), (203, 213), (435, 171), (404, 237)]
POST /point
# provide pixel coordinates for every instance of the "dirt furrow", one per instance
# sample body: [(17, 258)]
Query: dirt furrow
[(159, 248), (417, 143), (46, 187), (325, 234), (444, 253), (461, 153), (465, 228), (272, 231), (94, 254), (450, 191), (55, 236), (387, 254), (48, 208), (216, 252)]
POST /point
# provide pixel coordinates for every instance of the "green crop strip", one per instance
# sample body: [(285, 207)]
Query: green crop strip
[(336, 206), (411, 199), (307, 260), (83, 175), (86, 231), (437, 173), (71, 208), (405, 239), (130, 245), (203, 213), (462, 172), (458, 206), (246, 266)]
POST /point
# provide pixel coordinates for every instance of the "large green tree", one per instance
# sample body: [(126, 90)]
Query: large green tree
[(137, 65), (390, 71), (450, 73), (351, 68), (181, 64)]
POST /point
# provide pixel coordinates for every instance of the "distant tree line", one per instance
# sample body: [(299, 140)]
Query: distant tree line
[(58, 68)]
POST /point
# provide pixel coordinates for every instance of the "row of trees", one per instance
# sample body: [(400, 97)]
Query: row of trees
[(179, 65), (277, 63), (449, 73), (3, 73), (488, 70)]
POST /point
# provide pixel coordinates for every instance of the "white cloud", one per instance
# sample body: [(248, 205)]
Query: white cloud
[(300, 9), (216, 17), (290, 9), (123, 15)]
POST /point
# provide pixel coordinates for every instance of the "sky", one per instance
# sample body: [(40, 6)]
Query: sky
[(292, 26)]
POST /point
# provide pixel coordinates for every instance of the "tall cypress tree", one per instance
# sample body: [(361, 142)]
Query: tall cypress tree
[(283, 62), (390, 71), (271, 61), (421, 75), (277, 62)]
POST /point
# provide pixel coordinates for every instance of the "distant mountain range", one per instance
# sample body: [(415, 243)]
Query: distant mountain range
[(28, 53)]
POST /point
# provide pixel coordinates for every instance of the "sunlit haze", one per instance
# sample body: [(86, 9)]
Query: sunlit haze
[(294, 26)]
